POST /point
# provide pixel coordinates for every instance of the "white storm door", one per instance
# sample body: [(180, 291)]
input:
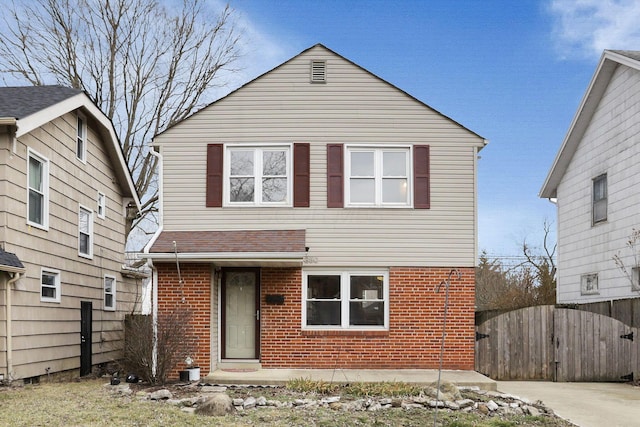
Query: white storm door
[(241, 314)]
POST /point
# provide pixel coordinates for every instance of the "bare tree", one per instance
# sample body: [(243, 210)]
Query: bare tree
[(529, 282), (544, 268), (146, 63), (631, 272)]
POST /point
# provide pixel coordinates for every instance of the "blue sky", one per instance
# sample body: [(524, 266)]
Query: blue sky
[(512, 71)]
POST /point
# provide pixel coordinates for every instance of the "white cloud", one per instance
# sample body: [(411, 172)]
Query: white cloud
[(584, 28), (260, 51)]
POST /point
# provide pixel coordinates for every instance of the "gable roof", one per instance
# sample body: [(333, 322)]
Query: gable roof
[(10, 262), (29, 107), (320, 45), (21, 101), (609, 61)]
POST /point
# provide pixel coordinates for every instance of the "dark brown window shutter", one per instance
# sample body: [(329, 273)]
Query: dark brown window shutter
[(335, 171), (214, 175), (421, 190), (301, 168)]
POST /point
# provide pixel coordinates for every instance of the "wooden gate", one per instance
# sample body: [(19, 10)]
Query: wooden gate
[(558, 344)]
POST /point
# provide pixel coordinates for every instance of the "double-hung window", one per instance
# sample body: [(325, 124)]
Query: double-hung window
[(258, 176), (346, 300), (378, 176), (38, 188), (81, 139), (49, 285), (599, 207), (109, 293), (85, 232)]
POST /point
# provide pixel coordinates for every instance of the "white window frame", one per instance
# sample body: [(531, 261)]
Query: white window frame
[(101, 202), (345, 299), (56, 287), (89, 232), (112, 293), (589, 284), (378, 177), (81, 138), (257, 192), (44, 192), (601, 201)]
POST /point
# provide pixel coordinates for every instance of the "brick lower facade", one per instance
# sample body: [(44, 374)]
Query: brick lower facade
[(413, 340)]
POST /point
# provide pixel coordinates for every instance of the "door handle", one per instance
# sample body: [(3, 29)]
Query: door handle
[(257, 314)]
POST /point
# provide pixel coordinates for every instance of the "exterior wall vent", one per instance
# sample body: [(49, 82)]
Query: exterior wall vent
[(318, 72)]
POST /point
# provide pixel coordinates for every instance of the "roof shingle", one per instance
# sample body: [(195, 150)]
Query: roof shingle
[(230, 241), (8, 259), (21, 101)]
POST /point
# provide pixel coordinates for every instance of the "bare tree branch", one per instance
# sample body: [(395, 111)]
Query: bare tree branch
[(146, 63)]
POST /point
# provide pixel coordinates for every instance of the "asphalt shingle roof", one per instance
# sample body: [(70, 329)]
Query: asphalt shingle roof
[(7, 259), (22, 101), (230, 241)]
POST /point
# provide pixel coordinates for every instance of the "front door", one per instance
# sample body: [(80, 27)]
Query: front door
[(85, 337), (240, 313)]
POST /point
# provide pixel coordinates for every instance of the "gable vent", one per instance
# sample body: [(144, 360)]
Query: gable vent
[(318, 71)]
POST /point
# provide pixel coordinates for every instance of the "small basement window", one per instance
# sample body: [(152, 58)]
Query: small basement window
[(318, 72)]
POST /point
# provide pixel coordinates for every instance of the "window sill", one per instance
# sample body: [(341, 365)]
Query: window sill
[(344, 332)]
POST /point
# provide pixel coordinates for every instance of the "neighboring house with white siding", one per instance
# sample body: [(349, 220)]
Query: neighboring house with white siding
[(64, 192), (308, 217), (595, 179)]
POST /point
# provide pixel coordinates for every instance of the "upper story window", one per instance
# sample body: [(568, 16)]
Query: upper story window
[(38, 189), (345, 300), (85, 232), (109, 293), (599, 207), (378, 177), (49, 285), (81, 139), (258, 176), (101, 205)]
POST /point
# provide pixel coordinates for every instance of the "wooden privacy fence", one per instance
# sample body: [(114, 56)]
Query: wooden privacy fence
[(557, 344)]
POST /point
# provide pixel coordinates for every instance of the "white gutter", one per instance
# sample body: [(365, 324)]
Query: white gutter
[(16, 276)]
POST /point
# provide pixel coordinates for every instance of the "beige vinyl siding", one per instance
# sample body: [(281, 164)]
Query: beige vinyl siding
[(47, 335), (609, 146), (353, 107)]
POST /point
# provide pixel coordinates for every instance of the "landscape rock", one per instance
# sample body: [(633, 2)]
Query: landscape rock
[(218, 404), (492, 406), (162, 394), (249, 402)]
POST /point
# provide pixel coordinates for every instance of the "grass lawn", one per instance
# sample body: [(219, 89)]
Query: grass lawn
[(90, 403)]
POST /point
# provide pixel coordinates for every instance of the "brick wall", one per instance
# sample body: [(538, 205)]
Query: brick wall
[(192, 296), (412, 341), (415, 325)]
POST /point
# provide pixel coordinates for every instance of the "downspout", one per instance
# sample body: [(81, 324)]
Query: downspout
[(16, 276)]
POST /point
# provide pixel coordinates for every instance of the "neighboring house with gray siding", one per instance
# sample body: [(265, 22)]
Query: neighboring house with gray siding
[(308, 217), (64, 192), (595, 179)]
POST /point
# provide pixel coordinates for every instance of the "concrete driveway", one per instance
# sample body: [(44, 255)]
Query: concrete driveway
[(583, 404)]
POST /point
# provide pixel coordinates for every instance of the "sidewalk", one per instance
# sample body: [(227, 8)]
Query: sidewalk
[(415, 376), (583, 404)]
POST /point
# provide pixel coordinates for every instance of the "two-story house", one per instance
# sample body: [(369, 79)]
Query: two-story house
[(308, 219), (64, 192), (595, 181)]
